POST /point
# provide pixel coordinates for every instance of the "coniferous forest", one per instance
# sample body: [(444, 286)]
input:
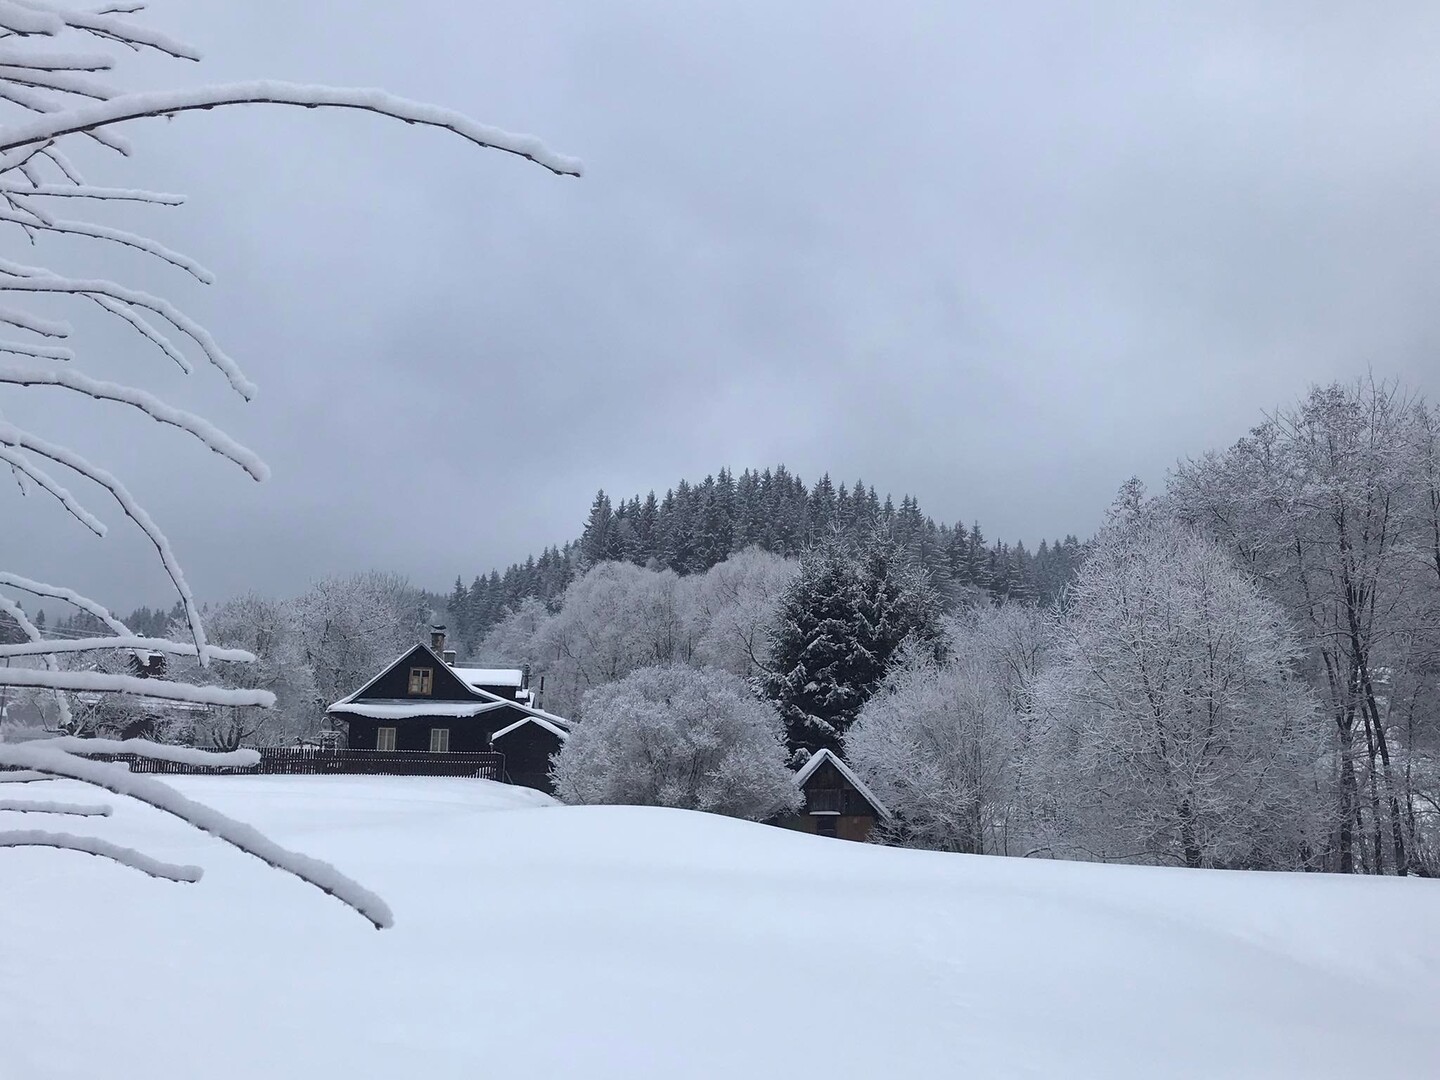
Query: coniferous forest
[(695, 526)]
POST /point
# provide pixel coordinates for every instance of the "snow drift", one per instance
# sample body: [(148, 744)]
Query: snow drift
[(617, 942)]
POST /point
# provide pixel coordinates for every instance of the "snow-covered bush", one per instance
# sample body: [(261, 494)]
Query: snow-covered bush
[(52, 54), (678, 736)]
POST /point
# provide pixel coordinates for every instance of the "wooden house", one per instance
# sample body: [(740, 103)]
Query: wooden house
[(837, 803), (424, 701)]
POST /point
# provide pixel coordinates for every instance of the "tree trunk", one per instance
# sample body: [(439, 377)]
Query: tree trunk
[(1348, 798), (1188, 841)]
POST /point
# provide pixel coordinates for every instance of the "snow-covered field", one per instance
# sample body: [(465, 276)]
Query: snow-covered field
[(542, 941)]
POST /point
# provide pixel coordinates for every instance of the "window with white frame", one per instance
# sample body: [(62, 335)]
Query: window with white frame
[(385, 738), (439, 740), (422, 680)]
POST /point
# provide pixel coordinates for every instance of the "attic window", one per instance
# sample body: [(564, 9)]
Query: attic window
[(421, 680)]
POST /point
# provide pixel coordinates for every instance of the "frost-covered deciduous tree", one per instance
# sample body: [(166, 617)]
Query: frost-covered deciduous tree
[(1175, 727), (618, 617), (347, 628), (678, 736), (734, 607), (613, 619), (1325, 502), (938, 744), (53, 65), (269, 630)]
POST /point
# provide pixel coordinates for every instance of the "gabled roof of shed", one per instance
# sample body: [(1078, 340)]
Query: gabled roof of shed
[(819, 758)]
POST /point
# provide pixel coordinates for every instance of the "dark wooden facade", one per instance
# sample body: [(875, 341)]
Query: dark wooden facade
[(468, 734), (836, 804), (528, 748), (420, 696)]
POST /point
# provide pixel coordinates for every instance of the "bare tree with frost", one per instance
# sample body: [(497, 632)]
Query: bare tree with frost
[(1174, 726), (53, 62)]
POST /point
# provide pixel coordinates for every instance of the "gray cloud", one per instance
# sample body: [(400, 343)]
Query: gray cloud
[(999, 259)]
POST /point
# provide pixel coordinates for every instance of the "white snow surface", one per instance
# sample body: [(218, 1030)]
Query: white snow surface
[(400, 708), (620, 943), (474, 677)]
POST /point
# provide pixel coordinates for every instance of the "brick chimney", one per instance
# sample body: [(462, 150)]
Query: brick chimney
[(437, 638)]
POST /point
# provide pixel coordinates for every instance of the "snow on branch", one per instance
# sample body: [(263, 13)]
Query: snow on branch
[(128, 314), (84, 118), (10, 435), (147, 403), (85, 191), (93, 845), (127, 641), (105, 25), (43, 352), (118, 781), (55, 61), (69, 596), (67, 809), (36, 325), (185, 755), (105, 232), (22, 776), (104, 682), (24, 20), (44, 282), (29, 469), (47, 678)]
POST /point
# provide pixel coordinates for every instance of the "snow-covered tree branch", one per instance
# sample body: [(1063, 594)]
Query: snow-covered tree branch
[(49, 99)]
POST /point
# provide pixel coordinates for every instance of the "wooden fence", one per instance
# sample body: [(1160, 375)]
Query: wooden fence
[(307, 760)]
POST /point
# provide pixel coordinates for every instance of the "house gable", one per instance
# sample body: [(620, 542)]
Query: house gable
[(393, 684), (826, 773)]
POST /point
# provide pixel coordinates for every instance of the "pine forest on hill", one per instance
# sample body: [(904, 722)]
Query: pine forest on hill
[(695, 526)]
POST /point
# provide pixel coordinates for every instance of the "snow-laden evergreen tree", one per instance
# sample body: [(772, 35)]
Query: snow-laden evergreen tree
[(598, 543), (677, 736), (821, 668), (52, 87), (898, 604)]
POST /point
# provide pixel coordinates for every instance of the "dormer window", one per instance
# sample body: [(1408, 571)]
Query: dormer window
[(422, 680)]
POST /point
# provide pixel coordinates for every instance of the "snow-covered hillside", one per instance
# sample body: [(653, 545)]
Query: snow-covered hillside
[(608, 942)]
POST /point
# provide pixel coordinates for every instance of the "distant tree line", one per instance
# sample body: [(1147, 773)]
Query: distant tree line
[(696, 526)]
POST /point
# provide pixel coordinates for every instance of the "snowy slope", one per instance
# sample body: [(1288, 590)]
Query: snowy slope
[(608, 942)]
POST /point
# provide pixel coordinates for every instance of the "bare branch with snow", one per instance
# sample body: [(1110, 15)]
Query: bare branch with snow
[(93, 845)]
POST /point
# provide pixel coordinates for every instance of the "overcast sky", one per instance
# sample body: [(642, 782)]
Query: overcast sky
[(1001, 257)]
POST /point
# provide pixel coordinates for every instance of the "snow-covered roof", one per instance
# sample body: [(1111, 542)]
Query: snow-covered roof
[(476, 677), (820, 757), (529, 710), (401, 708), (554, 729)]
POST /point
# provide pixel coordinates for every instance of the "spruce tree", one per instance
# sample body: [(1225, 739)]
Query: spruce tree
[(820, 670), (899, 606), (597, 542)]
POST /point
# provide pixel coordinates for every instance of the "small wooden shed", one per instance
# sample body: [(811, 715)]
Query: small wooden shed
[(837, 802)]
